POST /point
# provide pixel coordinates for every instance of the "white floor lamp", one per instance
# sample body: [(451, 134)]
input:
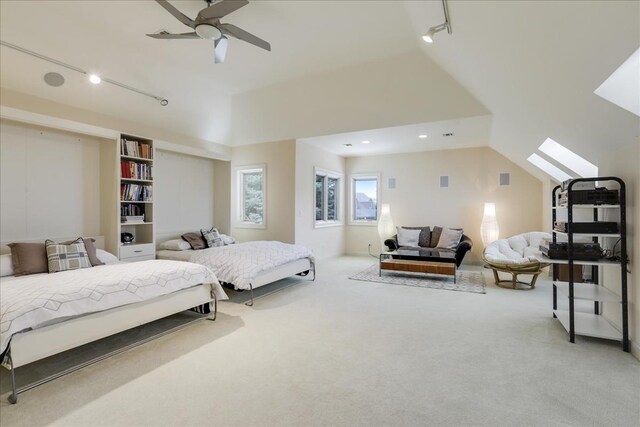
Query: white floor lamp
[(385, 224), (489, 229)]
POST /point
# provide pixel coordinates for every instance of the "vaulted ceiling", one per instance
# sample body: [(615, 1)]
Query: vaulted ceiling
[(339, 67)]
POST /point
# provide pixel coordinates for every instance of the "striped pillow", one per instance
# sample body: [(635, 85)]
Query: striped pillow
[(61, 257), (212, 237)]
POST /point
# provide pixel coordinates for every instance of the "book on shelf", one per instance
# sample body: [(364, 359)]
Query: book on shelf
[(130, 210), (139, 149), (133, 170), (136, 192)]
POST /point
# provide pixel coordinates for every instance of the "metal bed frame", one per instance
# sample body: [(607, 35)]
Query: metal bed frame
[(27, 347), (282, 272)]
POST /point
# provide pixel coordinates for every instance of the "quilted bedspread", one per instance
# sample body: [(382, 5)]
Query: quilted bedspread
[(240, 263), (30, 302)]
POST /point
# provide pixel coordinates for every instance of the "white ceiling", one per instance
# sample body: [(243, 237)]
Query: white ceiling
[(467, 132), (532, 65)]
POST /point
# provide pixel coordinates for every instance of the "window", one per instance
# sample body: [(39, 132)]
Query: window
[(252, 196), (364, 199), (327, 193), (568, 158)]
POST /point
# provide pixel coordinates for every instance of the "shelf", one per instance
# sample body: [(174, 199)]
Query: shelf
[(135, 223), (136, 180), (588, 291), (588, 207), (589, 325), (135, 201), (138, 159), (544, 259), (562, 233)]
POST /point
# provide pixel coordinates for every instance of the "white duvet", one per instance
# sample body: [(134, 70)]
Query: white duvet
[(240, 263), (29, 302)]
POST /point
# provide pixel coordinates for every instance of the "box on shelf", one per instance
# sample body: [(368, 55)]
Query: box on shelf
[(136, 219)]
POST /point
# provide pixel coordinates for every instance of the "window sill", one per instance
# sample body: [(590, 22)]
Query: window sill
[(364, 223), (250, 225), (327, 224)]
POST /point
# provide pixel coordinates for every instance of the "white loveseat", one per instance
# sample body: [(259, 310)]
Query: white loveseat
[(516, 255)]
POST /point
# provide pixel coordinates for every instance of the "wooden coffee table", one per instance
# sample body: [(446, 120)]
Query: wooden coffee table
[(419, 260)]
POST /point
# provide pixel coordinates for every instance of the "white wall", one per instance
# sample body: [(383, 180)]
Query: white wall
[(49, 183), (279, 158), (184, 194), (325, 242), (625, 163), (473, 180)]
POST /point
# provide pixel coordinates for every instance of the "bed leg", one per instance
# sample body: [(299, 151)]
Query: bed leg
[(13, 397), (215, 307), (250, 302)]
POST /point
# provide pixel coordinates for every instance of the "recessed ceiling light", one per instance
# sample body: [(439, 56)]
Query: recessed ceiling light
[(347, 145), (366, 142), (54, 79), (95, 79), (423, 136)]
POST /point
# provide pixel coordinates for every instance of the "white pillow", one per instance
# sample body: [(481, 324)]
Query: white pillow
[(175, 245), (227, 240), (408, 237), (106, 257), (6, 266), (450, 238)]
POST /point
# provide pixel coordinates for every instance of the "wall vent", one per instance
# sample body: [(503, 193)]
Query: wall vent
[(505, 179), (392, 183), (444, 181)]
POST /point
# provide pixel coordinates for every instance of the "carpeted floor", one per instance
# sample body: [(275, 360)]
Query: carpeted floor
[(343, 352)]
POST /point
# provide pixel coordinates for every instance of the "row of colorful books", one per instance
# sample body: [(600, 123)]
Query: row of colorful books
[(136, 170), (136, 149), (136, 193)]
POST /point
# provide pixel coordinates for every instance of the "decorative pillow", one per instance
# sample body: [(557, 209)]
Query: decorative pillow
[(425, 235), (90, 245), (212, 237), (175, 245), (227, 240), (449, 238), (63, 257), (195, 240), (6, 268), (435, 236), (106, 257), (28, 258), (408, 237)]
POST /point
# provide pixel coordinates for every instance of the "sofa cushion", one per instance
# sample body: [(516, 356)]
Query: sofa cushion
[(408, 237), (520, 249), (424, 240), (449, 238), (435, 236)]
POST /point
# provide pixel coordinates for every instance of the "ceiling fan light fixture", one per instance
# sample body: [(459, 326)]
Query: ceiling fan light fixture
[(208, 31)]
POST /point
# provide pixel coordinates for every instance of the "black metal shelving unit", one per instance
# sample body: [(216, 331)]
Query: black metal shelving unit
[(580, 323)]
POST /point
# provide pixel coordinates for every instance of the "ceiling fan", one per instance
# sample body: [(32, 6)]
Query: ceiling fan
[(207, 25)]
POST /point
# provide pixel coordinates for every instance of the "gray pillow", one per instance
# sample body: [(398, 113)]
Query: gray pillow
[(408, 237), (90, 246), (63, 257), (424, 240), (435, 236), (212, 237), (450, 238), (195, 240), (28, 258)]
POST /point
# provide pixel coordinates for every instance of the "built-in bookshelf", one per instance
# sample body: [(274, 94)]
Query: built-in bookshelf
[(135, 197)]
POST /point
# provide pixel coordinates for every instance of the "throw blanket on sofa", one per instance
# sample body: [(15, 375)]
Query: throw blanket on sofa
[(239, 264), (38, 300)]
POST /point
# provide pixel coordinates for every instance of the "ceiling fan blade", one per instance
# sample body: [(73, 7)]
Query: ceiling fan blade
[(169, 36), (176, 13), (222, 8), (220, 49), (241, 34)]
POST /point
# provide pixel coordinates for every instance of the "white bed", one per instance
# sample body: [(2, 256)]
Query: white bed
[(46, 314), (251, 264)]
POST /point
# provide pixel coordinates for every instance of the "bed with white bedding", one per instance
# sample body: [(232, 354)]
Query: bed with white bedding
[(251, 264), (45, 314)]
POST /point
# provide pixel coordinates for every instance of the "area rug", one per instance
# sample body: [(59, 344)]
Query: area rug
[(467, 281)]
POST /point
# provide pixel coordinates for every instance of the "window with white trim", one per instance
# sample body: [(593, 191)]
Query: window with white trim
[(364, 207), (252, 184), (327, 197)]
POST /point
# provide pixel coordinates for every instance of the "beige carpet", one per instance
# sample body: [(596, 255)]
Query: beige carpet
[(343, 352)]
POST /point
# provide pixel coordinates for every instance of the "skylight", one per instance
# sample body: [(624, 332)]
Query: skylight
[(556, 173), (568, 158), (623, 86)]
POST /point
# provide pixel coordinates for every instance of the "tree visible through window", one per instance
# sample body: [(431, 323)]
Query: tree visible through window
[(251, 185), (327, 197)]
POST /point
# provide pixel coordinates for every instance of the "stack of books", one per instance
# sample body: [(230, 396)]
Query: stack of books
[(136, 193), (136, 149)]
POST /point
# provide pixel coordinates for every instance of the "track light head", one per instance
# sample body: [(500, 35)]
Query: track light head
[(428, 37)]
